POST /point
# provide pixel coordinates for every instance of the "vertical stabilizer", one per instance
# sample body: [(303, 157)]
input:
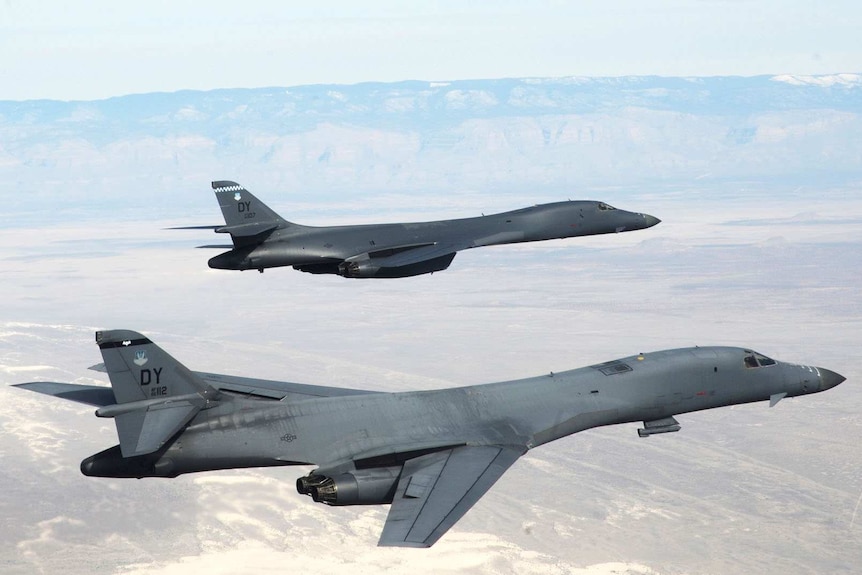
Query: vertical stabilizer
[(139, 369), (156, 395), (243, 213)]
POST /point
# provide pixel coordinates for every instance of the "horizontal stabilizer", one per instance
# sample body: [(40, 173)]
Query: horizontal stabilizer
[(216, 247), (247, 230), (88, 394), (195, 227)]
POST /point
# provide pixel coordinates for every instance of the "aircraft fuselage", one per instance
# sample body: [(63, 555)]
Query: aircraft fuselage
[(346, 249), (339, 433)]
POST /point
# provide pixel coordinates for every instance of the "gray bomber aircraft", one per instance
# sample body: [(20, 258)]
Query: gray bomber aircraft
[(262, 239), (430, 454)]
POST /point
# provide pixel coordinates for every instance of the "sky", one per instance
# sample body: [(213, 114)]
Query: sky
[(97, 49)]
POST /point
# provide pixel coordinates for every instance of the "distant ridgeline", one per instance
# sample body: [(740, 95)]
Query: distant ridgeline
[(533, 137)]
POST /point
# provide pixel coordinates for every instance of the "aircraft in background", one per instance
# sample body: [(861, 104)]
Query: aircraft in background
[(263, 239), (430, 454)]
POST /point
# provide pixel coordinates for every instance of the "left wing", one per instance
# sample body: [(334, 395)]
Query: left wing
[(399, 256), (416, 259), (411, 254), (437, 489)]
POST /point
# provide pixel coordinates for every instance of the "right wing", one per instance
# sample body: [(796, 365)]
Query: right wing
[(269, 389), (260, 388), (437, 489)]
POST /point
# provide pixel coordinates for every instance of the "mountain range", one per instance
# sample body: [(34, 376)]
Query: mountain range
[(535, 138)]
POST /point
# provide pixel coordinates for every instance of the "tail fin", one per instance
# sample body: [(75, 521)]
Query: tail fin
[(244, 214), (156, 395)]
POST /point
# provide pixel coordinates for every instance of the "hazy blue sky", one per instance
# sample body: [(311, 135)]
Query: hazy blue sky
[(96, 49)]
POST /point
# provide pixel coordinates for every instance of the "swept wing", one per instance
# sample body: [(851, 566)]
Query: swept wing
[(101, 396), (437, 489), (265, 388)]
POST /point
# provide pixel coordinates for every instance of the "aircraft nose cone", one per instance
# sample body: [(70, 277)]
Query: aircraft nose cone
[(829, 379), (651, 220)]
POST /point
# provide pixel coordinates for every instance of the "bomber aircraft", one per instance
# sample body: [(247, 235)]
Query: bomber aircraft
[(263, 239), (429, 454)]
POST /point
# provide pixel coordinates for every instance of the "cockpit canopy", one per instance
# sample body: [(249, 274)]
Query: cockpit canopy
[(605, 207), (754, 360)]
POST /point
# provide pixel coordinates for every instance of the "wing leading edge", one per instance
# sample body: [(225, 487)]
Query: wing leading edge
[(437, 489)]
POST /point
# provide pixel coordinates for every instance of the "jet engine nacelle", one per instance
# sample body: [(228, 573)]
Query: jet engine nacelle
[(358, 269), (360, 487)]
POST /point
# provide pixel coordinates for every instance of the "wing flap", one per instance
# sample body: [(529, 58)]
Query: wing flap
[(437, 489)]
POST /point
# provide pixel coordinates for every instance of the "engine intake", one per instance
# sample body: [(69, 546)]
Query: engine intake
[(360, 487)]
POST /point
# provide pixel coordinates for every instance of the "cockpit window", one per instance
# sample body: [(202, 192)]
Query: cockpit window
[(604, 207), (753, 359)]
